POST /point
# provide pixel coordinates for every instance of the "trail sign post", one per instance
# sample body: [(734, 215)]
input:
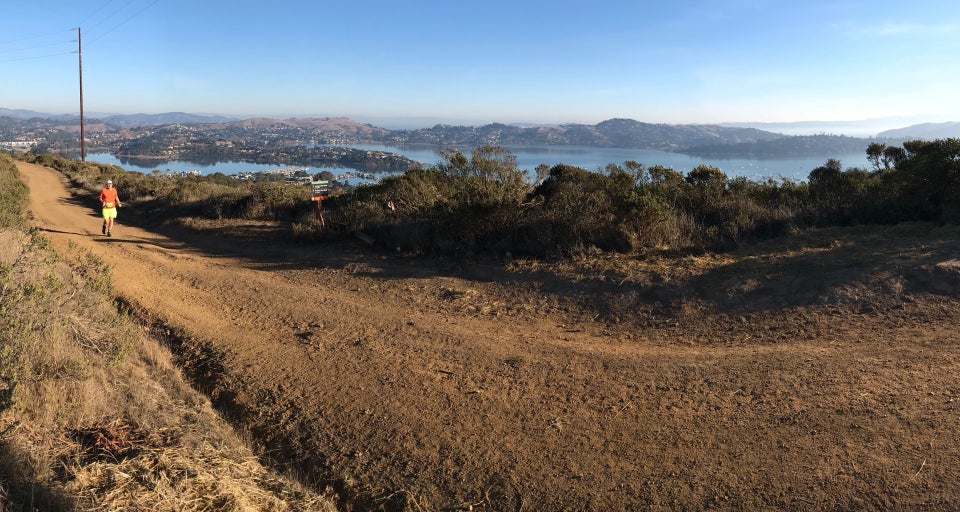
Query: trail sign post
[(319, 190)]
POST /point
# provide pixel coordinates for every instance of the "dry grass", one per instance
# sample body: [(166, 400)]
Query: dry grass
[(129, 467), (94, 414)]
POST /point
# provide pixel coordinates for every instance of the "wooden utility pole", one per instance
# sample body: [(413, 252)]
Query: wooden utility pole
[(83, 148)]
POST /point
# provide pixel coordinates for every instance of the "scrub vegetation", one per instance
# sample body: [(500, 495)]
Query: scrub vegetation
[(483, 204)]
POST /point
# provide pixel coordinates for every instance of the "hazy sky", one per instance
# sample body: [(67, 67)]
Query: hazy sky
[(537, 61)]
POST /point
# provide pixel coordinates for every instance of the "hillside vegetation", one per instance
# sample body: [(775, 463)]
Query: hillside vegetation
[(94, 414), (483, 204)]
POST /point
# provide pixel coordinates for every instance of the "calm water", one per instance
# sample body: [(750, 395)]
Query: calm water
[(528, 157), (591, 158), (140, 165)]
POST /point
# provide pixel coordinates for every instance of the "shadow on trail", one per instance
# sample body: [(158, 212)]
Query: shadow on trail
[(867, 267), (90, 202), (176, 246), (48, 230)]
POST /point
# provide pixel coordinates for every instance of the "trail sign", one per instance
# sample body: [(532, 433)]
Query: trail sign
[(319, 190)]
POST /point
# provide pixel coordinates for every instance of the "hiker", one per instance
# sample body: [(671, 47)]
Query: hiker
[(109, 200)]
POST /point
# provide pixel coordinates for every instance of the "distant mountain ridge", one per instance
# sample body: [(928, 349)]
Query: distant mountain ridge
[(789, 146), (122, 119), (718, 140), (19, 113), (621, 133), (338, 125), (924, 131), (946, 129), (165, 118)]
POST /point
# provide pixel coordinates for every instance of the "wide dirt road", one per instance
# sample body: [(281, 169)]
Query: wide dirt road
[(404, 384)]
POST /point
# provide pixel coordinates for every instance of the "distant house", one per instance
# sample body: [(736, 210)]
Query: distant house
[(17, 145)]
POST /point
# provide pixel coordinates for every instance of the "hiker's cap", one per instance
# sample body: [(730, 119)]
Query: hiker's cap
[(109, 182)]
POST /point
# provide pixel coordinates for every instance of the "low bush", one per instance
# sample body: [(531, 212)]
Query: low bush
[(13, 195), (484, 204), (918, 182), (462, 206), (276, 201)]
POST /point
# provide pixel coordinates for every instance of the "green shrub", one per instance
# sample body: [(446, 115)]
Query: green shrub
[(928, 180), (489, 177), (14, 195), (458, 207), (580, 208), (276, 201), (923, 184), (482, 204)]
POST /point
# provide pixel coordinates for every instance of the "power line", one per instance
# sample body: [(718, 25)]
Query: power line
[(36, 36), (113, 12), (134, 15), (38, 57), (94, 13), (20, 53), (37, 46)]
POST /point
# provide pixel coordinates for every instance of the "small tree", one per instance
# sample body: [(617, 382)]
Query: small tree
[(928, 177), (892, 156), (874, 154), (542, 170), (707, 177), (490, 176)]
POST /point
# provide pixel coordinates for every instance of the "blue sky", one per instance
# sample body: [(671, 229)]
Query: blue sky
[(558, 61)]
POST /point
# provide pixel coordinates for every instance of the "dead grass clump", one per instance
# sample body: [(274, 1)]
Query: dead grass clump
[(119, 440), (132, 469)]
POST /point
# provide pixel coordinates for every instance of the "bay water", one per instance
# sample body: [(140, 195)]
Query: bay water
[(528, 157)]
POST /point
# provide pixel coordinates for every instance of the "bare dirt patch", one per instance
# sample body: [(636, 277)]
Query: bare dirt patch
[(816, 373)]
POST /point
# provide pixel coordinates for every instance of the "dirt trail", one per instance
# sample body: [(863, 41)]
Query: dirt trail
[(405, 384)]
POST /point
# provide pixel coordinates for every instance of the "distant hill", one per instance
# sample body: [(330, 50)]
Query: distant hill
[(926, 131), (795, 146), (20, 113), (621, 133), (629, 133), (121, 119), (310, 123), (165, 118), (31, 114), (861, 128)]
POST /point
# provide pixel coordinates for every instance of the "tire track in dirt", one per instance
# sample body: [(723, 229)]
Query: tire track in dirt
[(380, 389)]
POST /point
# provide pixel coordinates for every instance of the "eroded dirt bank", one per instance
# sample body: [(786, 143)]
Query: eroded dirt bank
[(797, 378)]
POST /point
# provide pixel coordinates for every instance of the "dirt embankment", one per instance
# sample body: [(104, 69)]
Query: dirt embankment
[(817, 375)]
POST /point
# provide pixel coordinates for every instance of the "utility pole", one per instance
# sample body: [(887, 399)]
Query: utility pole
[(83, 150)]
